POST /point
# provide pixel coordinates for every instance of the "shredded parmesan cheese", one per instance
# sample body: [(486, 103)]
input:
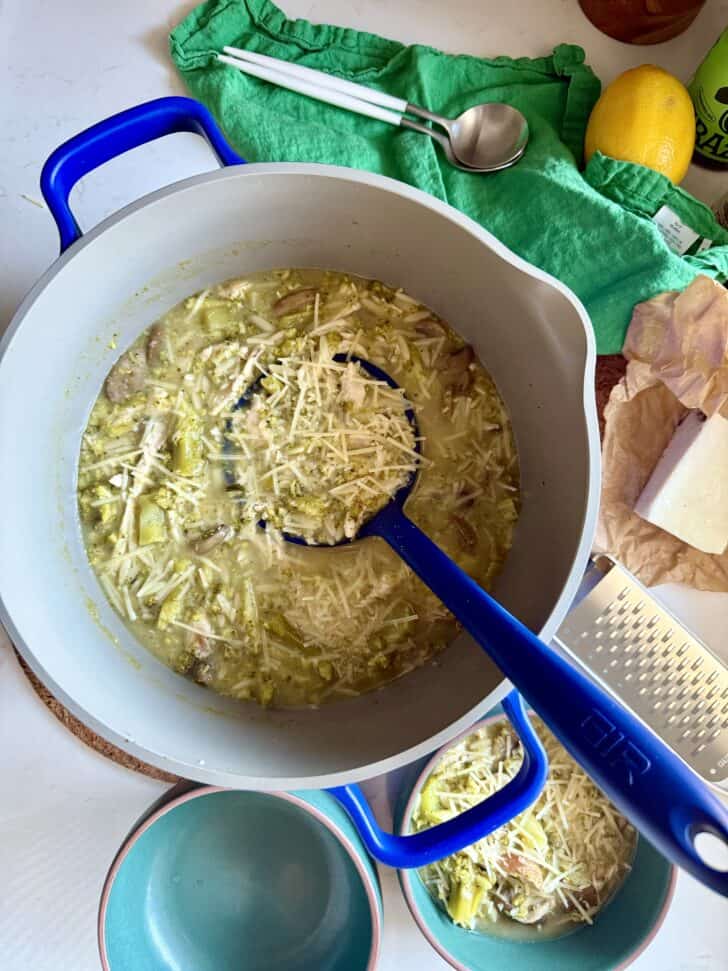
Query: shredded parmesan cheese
[(552, 866), (241, 413), (303, 489)]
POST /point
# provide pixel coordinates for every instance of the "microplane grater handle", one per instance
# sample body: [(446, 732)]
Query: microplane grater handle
[(642, 776)]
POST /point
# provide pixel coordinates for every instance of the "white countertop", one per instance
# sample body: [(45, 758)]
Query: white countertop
[(63, 808)]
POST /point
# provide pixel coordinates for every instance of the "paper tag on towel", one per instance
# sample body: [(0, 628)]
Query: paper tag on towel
[(673, 230), (705, 244)]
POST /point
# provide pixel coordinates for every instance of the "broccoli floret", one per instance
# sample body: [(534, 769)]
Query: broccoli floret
[(325, 670), (119, 428), (467, 887), (164, 498), (533, 834), (379, 662), (429, 799), (312, 506), (183, 662), (152, 522), (188, 446), (170, 609), (266, 692), (271, 384), (99, 503)]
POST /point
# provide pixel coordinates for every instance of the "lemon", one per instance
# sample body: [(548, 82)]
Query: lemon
[(645, 116)]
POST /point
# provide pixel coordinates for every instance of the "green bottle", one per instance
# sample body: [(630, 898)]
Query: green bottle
[(709, 91)]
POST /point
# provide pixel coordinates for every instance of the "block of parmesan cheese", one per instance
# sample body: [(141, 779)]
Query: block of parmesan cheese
[(687, 494)]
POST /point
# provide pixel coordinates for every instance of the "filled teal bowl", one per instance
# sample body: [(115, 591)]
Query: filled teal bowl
[(251, 881), (620, 932)]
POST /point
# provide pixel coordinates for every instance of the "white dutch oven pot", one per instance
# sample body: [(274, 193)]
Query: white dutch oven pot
[(528, 329)]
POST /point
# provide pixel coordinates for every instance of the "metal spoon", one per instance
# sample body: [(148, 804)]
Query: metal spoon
[(485, 150), (634, 767), (485, 138)]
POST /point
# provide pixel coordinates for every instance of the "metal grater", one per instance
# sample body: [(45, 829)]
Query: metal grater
[(652, 665)]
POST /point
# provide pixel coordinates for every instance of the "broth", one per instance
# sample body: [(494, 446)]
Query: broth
[(172, 485)]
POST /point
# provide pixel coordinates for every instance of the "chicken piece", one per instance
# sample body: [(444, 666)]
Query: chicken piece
[(202, 672), (155, 342), (294, 302), (127, 376), (455, 371), (465, 532), (526, 904), (588, 898), (200, 643), (429, 327), (519, 866), (212, 539), (532, 910)]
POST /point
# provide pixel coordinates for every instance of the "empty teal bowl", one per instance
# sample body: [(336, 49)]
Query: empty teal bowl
[(220, 879), (620, 932)]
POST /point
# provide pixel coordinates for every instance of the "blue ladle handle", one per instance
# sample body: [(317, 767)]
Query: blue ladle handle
[(664, 799)]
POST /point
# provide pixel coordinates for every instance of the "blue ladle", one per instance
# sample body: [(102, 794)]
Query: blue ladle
[(664, 799)]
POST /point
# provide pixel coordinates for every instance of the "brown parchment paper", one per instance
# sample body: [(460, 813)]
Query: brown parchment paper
[(677, 353)]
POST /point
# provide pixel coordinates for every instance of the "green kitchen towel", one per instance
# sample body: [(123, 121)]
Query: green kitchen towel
[(595, 232)]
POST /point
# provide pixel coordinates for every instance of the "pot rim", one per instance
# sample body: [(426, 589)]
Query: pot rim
[(373, 892), (591, 500)]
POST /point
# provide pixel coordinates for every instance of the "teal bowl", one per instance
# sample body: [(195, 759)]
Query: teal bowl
[(620, 932), (215, 879)]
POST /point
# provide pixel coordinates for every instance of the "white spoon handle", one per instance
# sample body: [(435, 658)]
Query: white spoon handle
[(315, 91), (321, 79)]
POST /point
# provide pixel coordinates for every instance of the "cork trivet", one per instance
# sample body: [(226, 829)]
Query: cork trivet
[(609, 370), (90, 738)]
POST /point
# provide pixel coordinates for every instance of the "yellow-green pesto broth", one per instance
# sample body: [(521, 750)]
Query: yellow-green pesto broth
[(174, 479)]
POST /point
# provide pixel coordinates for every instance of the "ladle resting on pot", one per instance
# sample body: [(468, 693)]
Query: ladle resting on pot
[(638, 772)]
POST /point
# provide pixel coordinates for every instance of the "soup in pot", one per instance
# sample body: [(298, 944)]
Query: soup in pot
[(247, 414)]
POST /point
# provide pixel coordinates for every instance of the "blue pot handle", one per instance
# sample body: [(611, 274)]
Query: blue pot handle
[(646, 780), (118, 134), (432, 844)]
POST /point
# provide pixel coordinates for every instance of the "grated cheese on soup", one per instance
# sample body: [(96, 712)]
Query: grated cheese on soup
[(323, 445), (552, 867), (176, 473)]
